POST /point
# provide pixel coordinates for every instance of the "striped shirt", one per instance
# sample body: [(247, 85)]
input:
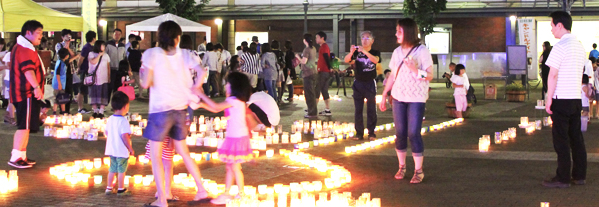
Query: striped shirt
[(407, 86), (568, 57), (251, 63), (24, 58)]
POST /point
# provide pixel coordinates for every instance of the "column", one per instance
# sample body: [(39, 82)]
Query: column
[(231, 31), (336, 34)]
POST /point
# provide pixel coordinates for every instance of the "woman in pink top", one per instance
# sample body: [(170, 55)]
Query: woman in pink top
[(411, 66)]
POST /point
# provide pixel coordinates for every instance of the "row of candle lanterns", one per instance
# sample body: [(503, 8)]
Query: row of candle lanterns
[(72, 127), (9, 182), (308, 200), (484, 142), (73, 173), (303, 98), (388, 140)]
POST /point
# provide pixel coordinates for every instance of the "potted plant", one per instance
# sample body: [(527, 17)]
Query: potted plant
[(298, 86), (450, 108), (516, 92)]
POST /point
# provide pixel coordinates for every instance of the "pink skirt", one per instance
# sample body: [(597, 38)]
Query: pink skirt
[(235, 150)]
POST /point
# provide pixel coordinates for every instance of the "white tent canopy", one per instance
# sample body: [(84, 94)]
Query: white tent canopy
[(151, 25)]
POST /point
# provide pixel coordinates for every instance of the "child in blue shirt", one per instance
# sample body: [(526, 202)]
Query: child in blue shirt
[(59, 79)]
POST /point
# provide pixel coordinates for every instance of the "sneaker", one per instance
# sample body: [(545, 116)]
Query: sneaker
[(325, 113), (95, 115), (418, 176), (30, 161), (101, 116), (579, 182), (554, 183), (401, 173), (221, 199), (83, 111), (109, 191), (310, 117), (20, 164), (125, 192)]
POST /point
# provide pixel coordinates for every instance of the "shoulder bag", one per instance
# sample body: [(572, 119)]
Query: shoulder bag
[(90, 78)]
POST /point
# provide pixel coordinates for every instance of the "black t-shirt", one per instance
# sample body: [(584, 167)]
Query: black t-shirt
[(134, 60), (364, 68)]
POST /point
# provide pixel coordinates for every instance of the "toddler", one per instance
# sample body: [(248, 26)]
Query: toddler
[(460, 81), (118, 144)]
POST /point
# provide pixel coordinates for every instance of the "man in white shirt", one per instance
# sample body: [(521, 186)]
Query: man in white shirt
[(211, 60), (266, 110), (563, 102)]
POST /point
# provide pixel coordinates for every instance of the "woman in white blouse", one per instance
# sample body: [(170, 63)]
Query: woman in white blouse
[(411, 72)]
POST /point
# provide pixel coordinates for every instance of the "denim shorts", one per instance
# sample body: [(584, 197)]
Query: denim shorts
[(167, 123), (118, 164)]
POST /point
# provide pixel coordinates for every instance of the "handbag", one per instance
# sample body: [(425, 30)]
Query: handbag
[(63, 98), (401, 64), (129, 90), (90, 78)]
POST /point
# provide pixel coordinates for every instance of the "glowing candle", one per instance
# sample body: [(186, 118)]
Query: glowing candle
[(137, 179), (97, 179), (270, 153), (262, 189), (97, 162)]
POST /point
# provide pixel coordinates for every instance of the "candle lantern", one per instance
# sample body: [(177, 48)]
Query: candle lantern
[(482, 145), (270, 153), (97, 162), (524, 121), (97, 179)]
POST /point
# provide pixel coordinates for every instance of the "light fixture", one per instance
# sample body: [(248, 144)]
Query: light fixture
[(218, 21), (513, 18), (102, 23)]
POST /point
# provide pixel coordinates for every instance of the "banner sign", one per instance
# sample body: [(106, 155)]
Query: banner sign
[(89, 9)]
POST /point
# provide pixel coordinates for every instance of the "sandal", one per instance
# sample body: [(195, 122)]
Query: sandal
[(174, 199), (401, 173), (418, 176), (150, 205)]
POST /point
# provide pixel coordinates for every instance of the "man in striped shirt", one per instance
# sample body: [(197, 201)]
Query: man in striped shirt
[(26, 90), (563, 102)]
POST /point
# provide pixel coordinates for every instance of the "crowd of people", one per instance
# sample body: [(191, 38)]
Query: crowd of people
[(249, 80)]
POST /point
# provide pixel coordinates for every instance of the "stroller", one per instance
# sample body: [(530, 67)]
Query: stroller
[(470, 95)]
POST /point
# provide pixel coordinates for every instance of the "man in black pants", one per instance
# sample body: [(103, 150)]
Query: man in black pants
[(365, 59), (566, 60)]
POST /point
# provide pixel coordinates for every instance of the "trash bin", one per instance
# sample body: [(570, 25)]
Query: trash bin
[(491, 91)]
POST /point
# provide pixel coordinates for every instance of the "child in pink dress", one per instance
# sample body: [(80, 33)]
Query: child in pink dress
[(236, 147)]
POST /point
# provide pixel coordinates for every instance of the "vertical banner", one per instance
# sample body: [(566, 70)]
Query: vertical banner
[(527, 36), (88, 12)]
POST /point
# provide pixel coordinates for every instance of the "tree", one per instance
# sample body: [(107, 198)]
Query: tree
[(184, 8), (424, 13)]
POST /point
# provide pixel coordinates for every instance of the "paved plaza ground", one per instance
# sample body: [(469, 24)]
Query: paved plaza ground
[(456, 174)]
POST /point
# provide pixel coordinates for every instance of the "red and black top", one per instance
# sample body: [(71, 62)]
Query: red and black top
[(23, 59)]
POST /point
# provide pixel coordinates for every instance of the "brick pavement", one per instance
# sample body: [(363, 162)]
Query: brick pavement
[(456, 174)]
